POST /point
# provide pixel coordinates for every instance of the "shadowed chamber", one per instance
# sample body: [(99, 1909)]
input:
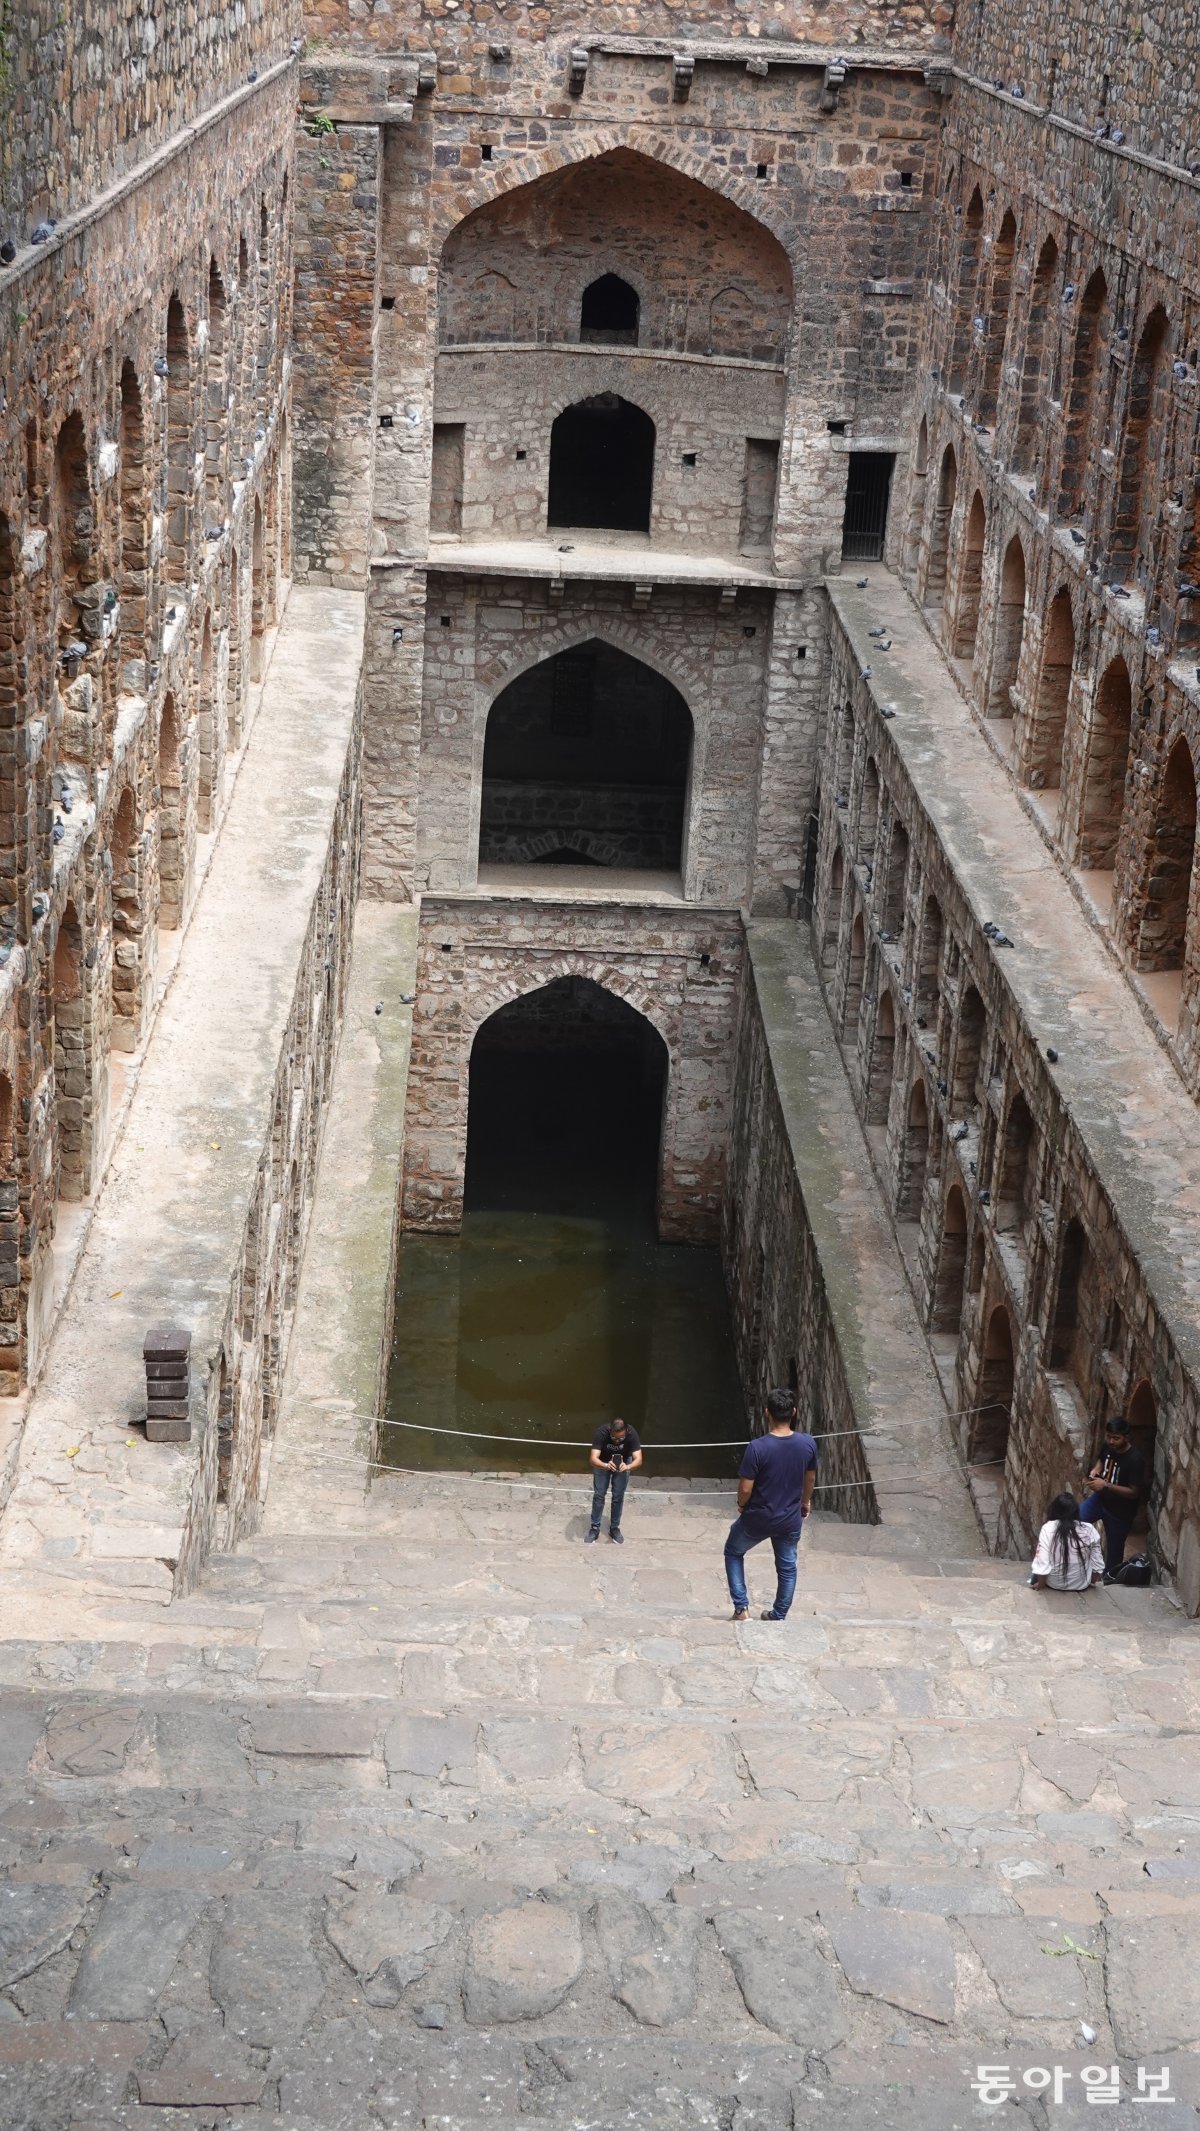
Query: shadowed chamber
[(586, 762), (557, 1307)]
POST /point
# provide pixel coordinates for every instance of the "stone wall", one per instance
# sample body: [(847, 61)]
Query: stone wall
[(85, 93), (143, 486), (778, 1288), (680, 968), (1041, 1311), (1052, 522)]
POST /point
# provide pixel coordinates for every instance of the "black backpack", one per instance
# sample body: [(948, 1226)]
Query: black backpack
[(1139, 1569)]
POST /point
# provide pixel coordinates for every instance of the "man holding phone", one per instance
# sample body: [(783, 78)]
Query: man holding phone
[(616, 1452)]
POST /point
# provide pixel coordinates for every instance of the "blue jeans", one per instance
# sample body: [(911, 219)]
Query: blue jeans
[(600, 1480), (1115, 1523), (783, 1544)]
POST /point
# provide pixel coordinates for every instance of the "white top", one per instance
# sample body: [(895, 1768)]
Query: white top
[(1081, 1567)]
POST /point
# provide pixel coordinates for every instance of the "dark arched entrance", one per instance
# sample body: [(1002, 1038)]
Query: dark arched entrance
[(602, 465), (566, 1099), (586, 760)]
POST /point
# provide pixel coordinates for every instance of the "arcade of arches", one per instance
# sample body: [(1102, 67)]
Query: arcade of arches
[(739, 624)]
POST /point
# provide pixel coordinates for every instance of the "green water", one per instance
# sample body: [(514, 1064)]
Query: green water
[(544, 1324)]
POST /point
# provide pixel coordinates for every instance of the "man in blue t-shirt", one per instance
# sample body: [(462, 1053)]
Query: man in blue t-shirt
[(775, 1489)]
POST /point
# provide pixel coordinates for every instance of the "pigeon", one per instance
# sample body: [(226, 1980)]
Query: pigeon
[(980, 428), (213, 533), (1033, 495), (297, 46), (875, 632), (985, 1197), (990, 929), (885, 645), (1122, 332), (1154, 636), (1118, 591), (864, 673), (961, 1131), (253, 74), (407, 998), (943, 1087), (862, 583), (1180, 368), (65, 800), (841, 802), (1017, 90), (8, 252), (1052, 1054), (980, 324), (566, 547), (887, 712), (1077, 537), (58, 832), (43, 233), (922, 1023), (1117, 137), (1068, 292), (1100, 132), (74, 650), (160, 366), (379, 1006), (39, 907), (1002, 940)]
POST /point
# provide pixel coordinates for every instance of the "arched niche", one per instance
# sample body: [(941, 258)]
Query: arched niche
[(601, 466), (587, 760), (713, 279)]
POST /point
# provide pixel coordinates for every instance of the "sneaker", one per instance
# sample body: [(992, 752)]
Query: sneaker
[(743, 1613), (590, 1538), (618, 1538), (768, 1615)]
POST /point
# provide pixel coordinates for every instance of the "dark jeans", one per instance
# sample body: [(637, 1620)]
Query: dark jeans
[(783, 1544), (1115, 1523), (600, 1480)]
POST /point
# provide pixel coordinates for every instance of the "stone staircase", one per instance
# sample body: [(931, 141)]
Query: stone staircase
[(442, 1823)]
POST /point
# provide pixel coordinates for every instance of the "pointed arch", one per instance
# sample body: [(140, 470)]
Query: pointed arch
[(914, 1153), (1133, 515), (602, 465), (989, 1428), (939, 535), (610, 312), (967, 291), (970, 581), (883, 1061), (946, 1309), (1082, 398), (1163, 934), (1107, 766), (918, 482), (170, 820), (996, 329), (1038, 342), (1048, 725), (1009, 632), (216, 403)]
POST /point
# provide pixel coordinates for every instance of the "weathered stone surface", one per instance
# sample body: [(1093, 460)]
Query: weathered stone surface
[(202, 2070), (89, 1742), (263, 1971), (1036, 1974), (386, 1939), (907, 1960), (35, 1922), (1150, 1973), (784, 1978), (521, 1962), (671, 1761), (132, 1951), (305, 1728), (435, 1747), (651, 1956)]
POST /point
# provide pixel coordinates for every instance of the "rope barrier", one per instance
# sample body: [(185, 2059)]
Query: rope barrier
[(539, 1442)]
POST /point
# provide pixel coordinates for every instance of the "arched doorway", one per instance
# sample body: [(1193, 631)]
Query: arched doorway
[(989, 1429), (567, 1087), (586, 762), (602, 465), (946, 1312)]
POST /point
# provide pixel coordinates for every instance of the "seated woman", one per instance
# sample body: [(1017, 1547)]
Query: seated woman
[(1070, 1554)]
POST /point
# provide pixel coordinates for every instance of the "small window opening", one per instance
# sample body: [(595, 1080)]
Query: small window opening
[(760, 170), (837, 429), (445, 621), (867, 490), (906, 180), (387, 303), (386, 421), (610, 312), (521, 454), (486, 151), (689, 458)]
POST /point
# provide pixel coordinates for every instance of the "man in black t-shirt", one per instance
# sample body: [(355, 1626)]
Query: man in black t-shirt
[(616, 1452), (776, 1480), (1116, 1481)]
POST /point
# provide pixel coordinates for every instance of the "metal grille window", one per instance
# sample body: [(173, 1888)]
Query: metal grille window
[(867, 492)]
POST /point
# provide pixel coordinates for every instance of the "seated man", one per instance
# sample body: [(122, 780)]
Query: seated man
[(1115, 1481)]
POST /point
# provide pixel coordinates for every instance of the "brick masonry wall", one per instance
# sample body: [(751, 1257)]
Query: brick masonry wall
[(86, 91), (1086, 457), (474, 957), (926, 1007), (143, 491)]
